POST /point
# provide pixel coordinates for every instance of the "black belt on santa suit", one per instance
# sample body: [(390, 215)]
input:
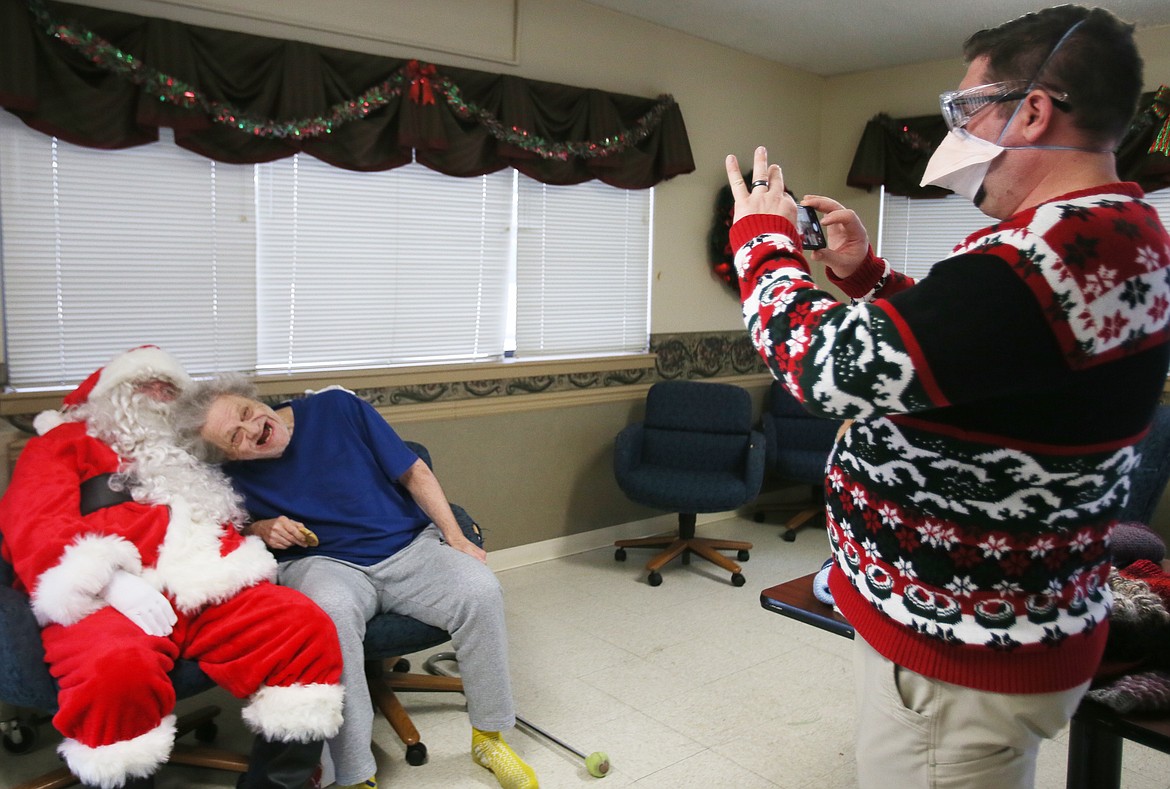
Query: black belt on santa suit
[(96, 494)]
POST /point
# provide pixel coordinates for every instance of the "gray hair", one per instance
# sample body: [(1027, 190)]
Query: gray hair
[(189, 412), (155, 468)]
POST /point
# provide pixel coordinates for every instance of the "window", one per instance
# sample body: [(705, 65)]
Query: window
[(913, 235), (296, 266), (573, 296), (350, 265)]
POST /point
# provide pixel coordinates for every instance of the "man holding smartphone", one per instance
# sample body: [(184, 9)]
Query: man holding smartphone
[(811, 234), (996, 403)]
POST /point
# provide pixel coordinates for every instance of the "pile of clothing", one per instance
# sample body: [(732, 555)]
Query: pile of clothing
[(1135, 673)]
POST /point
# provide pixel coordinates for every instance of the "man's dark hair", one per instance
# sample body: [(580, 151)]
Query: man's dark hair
[(1098, 66)]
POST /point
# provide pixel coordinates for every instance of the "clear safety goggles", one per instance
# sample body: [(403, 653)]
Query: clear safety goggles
[(959, 106)]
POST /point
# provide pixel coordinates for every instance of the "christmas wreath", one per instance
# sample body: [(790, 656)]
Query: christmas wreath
[(719, 250)]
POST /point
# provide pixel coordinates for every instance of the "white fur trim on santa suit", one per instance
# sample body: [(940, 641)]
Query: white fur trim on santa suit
[(191, 568), (71, 590), (109, 766), (295, 713), (138, 363), (47, 420)]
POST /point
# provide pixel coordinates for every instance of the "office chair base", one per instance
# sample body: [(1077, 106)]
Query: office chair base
[(18, 736), (383, 686), (58, 779), (808, 516), (200, 722), (684, 544)]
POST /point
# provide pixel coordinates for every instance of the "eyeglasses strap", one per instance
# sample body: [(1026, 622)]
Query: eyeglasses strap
[(1039, 73)]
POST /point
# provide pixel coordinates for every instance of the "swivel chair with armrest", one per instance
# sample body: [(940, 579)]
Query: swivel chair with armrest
[(390, 635), (695, 451), (1148, 480), (25, 683), (797, 447), (1135, 536)]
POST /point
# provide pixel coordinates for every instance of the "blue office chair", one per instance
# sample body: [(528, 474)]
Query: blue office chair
[(1134, 538), (389, 636), (797, 448), (695, 451), (25, 683), (1149, 479)]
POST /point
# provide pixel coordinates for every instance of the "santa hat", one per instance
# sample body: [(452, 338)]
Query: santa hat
[(137, 364)]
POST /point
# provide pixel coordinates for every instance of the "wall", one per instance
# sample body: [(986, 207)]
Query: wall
[(541, 473), (852, 99), (730, 101)]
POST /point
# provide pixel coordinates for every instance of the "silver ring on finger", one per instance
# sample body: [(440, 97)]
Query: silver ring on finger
[(762, 182)]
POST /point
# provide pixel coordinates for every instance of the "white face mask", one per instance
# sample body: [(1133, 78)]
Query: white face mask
[(960, 163)]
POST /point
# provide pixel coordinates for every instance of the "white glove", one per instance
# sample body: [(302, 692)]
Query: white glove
[(141, 603)]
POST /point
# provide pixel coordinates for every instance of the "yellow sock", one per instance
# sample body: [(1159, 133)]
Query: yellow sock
[(489, 750), (369, 783)]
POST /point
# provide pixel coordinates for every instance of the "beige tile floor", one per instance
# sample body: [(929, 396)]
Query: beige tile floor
[(690, 685)]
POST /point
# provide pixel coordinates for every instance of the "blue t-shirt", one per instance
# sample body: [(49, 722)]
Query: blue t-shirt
[(338, 477)]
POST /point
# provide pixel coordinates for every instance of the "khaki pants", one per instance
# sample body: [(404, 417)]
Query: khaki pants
[(918, 733)]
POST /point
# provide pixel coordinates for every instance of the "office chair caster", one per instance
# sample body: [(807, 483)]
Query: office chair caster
[(416, 754), (743, 556), (789, 536), (620, 555), (654, 579), (737, 579), (19, 737)]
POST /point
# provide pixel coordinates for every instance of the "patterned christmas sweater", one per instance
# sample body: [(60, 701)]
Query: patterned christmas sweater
[(996, 405)]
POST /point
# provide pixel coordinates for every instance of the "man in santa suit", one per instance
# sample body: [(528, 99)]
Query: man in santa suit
[(129, 550)]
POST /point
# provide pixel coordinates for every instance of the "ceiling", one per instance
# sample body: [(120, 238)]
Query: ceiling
[(830, 37)]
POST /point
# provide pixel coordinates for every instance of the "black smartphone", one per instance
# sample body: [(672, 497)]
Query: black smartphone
[(809, 227)]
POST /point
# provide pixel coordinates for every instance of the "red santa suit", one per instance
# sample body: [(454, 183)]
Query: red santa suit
[(257, 640)]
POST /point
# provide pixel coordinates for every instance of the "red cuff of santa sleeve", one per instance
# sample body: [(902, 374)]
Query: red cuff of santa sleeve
[(864, 279)]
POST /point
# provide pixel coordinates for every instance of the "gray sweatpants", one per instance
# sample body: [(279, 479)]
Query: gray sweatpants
[(431, 582)]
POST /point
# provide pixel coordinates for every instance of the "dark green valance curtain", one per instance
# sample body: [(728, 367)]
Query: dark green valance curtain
[(894, 151), (456, 121), (1144, 154)]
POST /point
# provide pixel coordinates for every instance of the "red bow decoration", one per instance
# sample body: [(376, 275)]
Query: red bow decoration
[(420, 82)]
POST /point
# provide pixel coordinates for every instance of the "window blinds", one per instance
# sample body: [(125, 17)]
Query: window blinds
[(373, 269), (107, 250), (582, 277), (295, 265), (915, 234)]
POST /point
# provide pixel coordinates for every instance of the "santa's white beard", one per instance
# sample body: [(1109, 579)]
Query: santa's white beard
[(155, 470)]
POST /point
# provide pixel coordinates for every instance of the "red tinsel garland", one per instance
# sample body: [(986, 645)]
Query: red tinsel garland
[(419, 80)]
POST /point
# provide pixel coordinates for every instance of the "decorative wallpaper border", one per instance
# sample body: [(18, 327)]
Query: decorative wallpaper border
[(691, 355), (705, 355)]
